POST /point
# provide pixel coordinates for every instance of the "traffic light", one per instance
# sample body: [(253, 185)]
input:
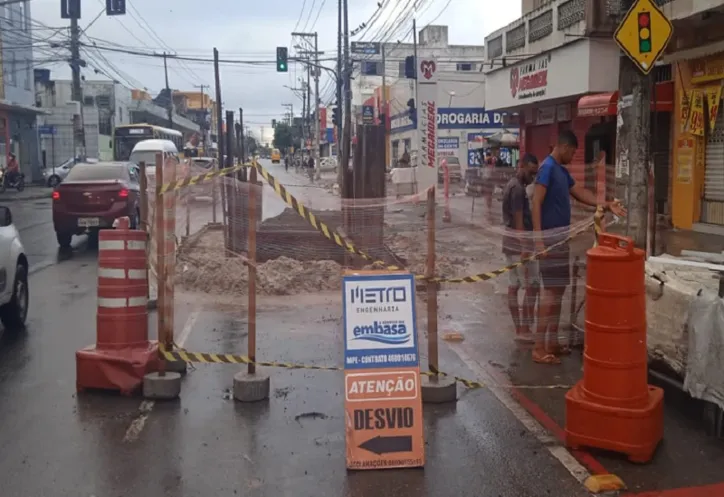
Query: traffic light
[(336, 118), (282, 56), (645, 32), (410, 69), (274, 123), (411, 110)]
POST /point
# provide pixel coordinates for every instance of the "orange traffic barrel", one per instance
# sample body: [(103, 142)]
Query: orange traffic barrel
[(615, 358), (613, 408), (122, 314)]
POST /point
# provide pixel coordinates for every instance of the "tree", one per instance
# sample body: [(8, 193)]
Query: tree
[(283, 136)]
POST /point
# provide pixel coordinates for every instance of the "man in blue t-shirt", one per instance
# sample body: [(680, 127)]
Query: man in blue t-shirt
[(554, 187)]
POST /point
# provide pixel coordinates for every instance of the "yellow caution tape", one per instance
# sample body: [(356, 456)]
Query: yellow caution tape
[(338, 239), (181, 355), (198, 179)]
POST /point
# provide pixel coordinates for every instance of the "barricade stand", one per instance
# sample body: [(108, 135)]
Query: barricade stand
[(435, 389), (613, 407), (382, 402), (147, 228), (446, 217), (122, 354), (251, 386), (164, 384)]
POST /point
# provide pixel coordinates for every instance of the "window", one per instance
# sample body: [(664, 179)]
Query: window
[(89, 101), (28, 73), (401, 70), (395, 149), (407, 144), (465, 66), (11, 75), (24, 21)]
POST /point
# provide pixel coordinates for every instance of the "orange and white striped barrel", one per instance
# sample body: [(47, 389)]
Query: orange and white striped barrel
[(122, 316)]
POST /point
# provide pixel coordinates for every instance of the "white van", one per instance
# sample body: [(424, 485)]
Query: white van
[(146, 150)]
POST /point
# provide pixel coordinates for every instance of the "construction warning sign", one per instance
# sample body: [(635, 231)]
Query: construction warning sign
[(644, 34), (383, 403)]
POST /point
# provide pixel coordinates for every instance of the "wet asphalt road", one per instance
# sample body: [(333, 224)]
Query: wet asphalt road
[(57, 443)]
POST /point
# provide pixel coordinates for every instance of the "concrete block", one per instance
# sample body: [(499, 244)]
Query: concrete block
[(164, 387), (251, 387), (438, 389), (176, 367)]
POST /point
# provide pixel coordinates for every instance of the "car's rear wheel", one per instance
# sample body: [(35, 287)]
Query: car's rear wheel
[(14, 313), (54, 181), (64, 239)]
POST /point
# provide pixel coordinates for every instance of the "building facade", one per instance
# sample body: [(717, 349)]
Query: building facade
[(18, 131), (460, 85), (105, 105), (696, 55), (553, 69)]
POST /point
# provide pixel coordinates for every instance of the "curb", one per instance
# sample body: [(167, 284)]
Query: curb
[(21, 198)]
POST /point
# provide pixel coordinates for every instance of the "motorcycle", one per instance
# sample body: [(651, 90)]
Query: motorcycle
[(18, 183)]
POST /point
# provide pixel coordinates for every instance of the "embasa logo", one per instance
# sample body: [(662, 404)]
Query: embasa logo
[(514, 81), (385, 332), (428, 68)]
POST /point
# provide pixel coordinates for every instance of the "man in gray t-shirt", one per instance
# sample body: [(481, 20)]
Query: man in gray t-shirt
[(518, 244)]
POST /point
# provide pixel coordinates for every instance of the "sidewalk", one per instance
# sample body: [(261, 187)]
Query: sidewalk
[(30, 193)]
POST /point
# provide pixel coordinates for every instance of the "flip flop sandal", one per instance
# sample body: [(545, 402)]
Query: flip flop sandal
[(561, 350), (549, 359)]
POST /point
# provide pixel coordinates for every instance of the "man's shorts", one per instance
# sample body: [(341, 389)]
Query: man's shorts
[(525, 275), (555, 268)]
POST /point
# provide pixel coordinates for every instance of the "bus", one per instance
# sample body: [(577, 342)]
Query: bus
[(126, 136)]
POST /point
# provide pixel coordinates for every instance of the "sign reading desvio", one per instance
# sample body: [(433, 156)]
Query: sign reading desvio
[(379, 321)]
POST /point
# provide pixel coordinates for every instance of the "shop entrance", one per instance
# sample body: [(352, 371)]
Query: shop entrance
[(600, 138)]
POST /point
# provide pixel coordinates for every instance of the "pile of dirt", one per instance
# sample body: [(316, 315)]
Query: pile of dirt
[(204, 268), (412, 248)]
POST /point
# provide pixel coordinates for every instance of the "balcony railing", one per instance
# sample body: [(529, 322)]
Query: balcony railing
[(552, 25)]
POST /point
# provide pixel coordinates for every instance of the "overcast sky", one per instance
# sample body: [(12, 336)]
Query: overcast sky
[(243, 30)]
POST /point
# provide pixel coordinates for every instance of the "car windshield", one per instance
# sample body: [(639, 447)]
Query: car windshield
[(97, 172), (147, 156)]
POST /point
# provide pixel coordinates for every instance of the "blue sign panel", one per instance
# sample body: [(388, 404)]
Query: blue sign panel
[(380, 329), (448, 142), (47, 130), (468, 118), (399, 123), (368, 114), (330, 135)]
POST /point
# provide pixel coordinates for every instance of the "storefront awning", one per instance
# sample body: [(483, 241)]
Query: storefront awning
[(600, 104), (605, 104), (8, 106)]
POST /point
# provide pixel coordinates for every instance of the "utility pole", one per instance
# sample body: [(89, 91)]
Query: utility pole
[(202, 105), (219, 128), (383, 117), (305, 105), (77, 92), (633, 130), (242, 144), (168, 92), (347, 74), (313, 109), (341, 172), (416, 140)]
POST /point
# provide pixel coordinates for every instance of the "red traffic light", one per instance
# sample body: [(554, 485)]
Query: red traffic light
[(644, 20)]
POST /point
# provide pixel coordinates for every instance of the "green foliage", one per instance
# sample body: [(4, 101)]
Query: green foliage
[(283, 136)]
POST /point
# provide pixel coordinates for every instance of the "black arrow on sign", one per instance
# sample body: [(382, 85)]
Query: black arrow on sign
[(387, 445)]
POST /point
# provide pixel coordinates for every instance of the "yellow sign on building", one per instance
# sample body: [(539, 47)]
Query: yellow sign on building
[(644, 34)]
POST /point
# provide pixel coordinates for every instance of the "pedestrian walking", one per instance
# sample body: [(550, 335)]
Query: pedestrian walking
[(518, 245), (554, 187)]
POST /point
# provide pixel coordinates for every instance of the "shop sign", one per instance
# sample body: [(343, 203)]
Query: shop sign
[(685, 108), (713, 99), (401, 123), (563, 113), (448, 142), (696, 120), (368, 114), (684, 160), (530, 79), (468, 118), (546, 115), (705, 70)]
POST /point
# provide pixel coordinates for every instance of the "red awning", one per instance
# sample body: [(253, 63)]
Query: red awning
[(605, 104), (600, 104)]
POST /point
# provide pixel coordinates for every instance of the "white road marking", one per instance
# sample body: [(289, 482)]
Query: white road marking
[(144, 410), (558, 451)]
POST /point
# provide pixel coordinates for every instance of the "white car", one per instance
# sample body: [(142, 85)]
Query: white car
[(14, 294)]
